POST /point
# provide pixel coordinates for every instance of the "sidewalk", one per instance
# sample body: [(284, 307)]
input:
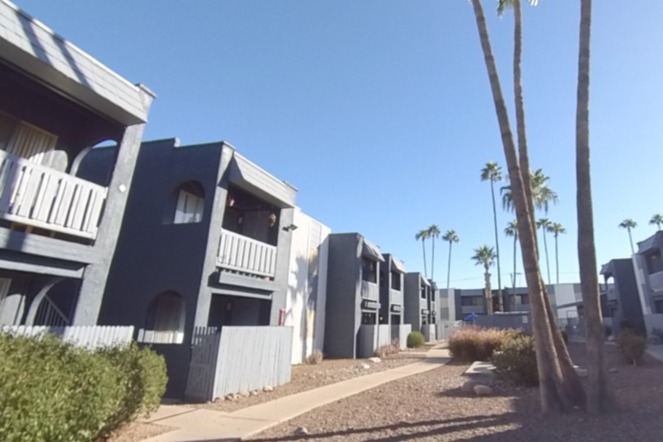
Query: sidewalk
[(197, 425), (655, 351)]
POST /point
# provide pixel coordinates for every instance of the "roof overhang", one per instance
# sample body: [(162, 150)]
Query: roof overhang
[(248, 176), (30, 46), (370, 250), (397, 265)]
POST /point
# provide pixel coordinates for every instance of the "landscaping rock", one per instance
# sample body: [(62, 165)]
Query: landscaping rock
[(468, 386), (267, 388), (375, 360), (364, 366), (613, 370), (301, 431), (482, 390), (254, 393), (243, 394), (231, 397)]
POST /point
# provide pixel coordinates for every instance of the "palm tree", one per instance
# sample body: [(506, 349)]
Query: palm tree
[(598, 396), (544, 225), (542, 194), (656, 219), (485, 256), (493, 172), (556, 229), (433, 232), (451, 237), (629, 225), (560, 388), (512, 230), (423, 236)]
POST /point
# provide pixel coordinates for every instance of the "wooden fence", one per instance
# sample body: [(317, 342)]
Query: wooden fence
[(94, 336), (238, 360)]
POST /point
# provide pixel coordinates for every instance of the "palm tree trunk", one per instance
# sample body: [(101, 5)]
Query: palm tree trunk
[(423, 248), (553, 382), (515, 265), (449, 269), (497, 250), (556, 260), (545, 249), (598, 398), (630, 239), (488, 292), (432, 258)]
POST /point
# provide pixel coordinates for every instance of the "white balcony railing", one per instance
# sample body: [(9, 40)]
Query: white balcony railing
[(243, 254), (370, 290), (656, 281), (395, 297), (41, 197)]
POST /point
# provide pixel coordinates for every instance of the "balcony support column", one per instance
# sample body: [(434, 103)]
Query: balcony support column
[(94, 278)]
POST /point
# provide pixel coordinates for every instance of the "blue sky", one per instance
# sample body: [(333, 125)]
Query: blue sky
[(379, 111)]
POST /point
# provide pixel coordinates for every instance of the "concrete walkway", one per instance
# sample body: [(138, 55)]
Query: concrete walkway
[(196, 425), (655, 351)]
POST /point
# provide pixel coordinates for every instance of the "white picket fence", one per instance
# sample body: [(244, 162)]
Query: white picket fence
[(91, 337)]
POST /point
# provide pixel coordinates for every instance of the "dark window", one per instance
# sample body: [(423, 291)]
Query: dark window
[(654, 263), (395, 280), (186, 204), (658, 306), (369, 270)]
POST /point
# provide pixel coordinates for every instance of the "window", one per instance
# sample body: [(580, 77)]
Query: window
[(423, 292), (165, 320), (189, 204), (654, 263), (369, 270), (395, 280), (471, 301)]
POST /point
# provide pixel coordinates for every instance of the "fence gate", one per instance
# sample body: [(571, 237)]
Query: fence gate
[(202, 368)]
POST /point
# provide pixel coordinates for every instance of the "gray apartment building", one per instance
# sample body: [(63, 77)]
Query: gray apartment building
[(620, 299), (649, 278), (58, 229)]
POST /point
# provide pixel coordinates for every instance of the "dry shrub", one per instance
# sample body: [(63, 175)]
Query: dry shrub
[(516, 361), (471, 344), (314, 358), (389, 349), (632, 346)]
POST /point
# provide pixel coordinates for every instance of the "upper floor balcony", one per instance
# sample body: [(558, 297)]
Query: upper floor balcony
[(396, 297), (656, 281), (41, 197), (242, 254), (370, 291)]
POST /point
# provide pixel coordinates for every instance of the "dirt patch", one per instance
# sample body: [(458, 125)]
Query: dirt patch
[(306, 377), (432, 407), (138, 431)]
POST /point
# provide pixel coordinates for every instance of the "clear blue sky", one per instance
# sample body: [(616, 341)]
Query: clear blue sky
[(379, 111)]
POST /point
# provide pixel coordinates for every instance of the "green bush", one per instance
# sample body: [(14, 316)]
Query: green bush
[(471, 344), (53, 392), (415, 339), (516, 361), (632, 346)]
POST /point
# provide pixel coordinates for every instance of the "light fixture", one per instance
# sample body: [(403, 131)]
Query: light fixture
[(290, 228)]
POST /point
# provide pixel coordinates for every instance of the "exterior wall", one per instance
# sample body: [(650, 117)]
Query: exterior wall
[(343, 307), (307, 285), (650, 285), (622, 296), (413, 301), (49, 83), (390, 299)]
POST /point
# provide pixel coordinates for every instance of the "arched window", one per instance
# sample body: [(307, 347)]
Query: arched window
[(189, 203), (165, 320)]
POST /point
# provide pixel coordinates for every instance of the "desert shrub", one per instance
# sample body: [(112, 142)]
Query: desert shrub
[(314, 358), (516, 361), (471, 344), (415, 339), (388, 349), (632, 346), (52, 391)]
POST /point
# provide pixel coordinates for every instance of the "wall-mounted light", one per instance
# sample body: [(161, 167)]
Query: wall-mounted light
[(290, 228)]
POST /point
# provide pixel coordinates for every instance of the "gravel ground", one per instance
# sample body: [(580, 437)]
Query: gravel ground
[(431, 406), (138, 431), (306, 377)]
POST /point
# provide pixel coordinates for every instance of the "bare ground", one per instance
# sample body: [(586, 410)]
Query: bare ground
[(431, 406)]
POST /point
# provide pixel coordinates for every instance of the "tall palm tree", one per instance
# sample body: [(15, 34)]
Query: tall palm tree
[(493, 172), (422, 235), (560, 388), (512, 230), (451, 237), (629, 225), (544, 225), (556, 229), (485, 256), (542, 194), (433, 233), (598, 395), (656, 219)]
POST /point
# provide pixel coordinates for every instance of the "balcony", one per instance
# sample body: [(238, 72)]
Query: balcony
[(41, 197), (246, 255), (395, 297), (656, 281), (370, 290)]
